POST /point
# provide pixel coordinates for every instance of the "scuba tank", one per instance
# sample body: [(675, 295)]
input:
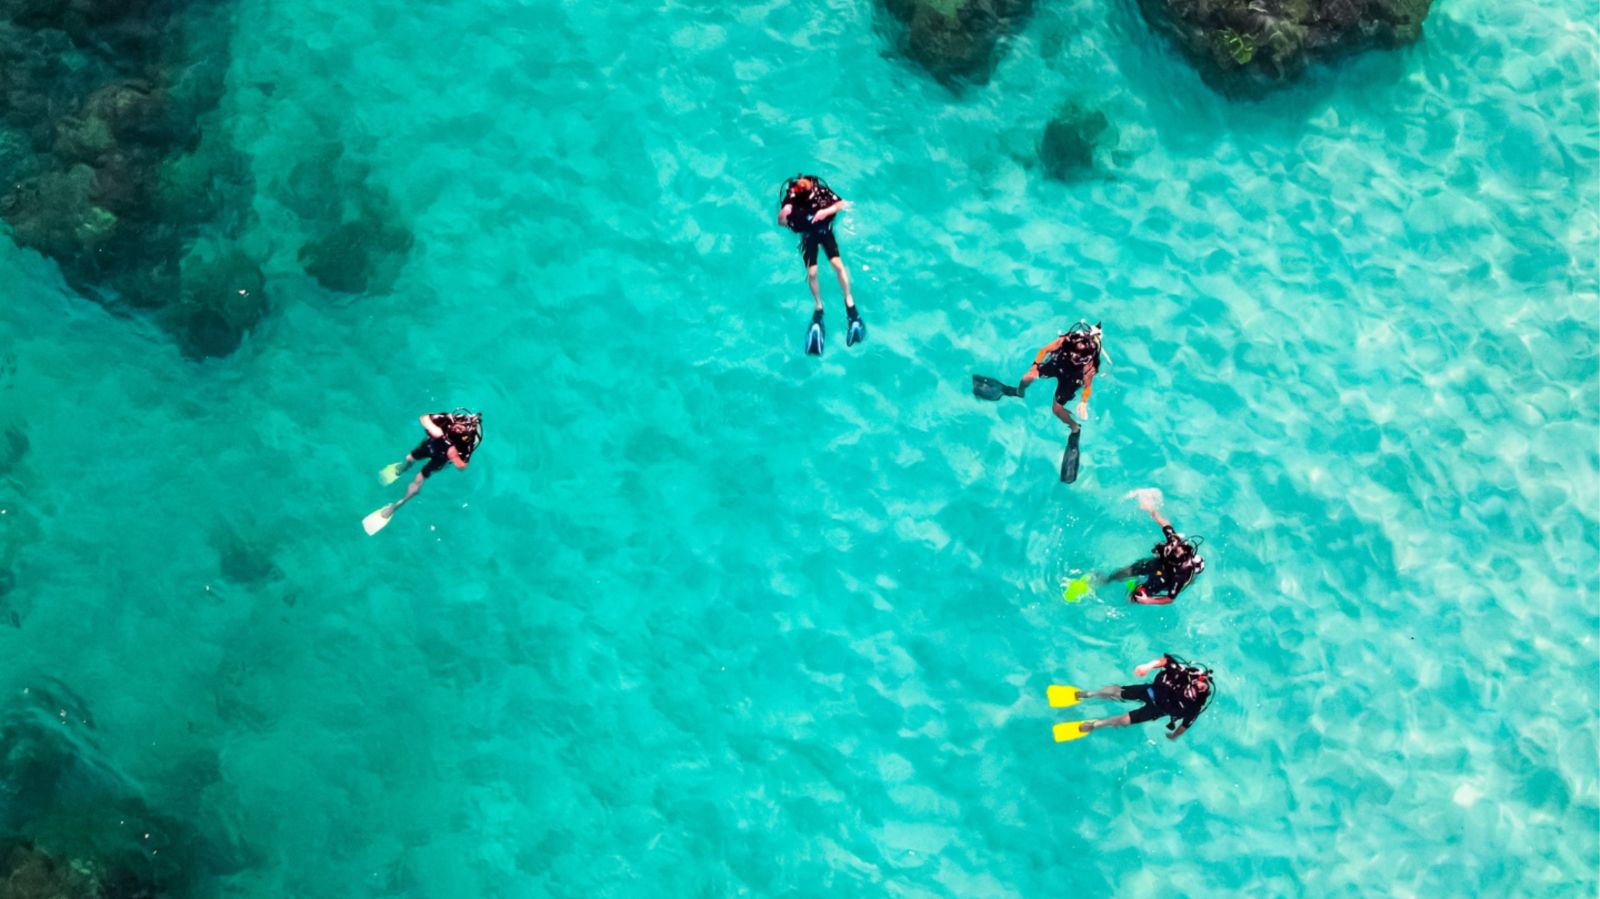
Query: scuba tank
[(1187, 687)]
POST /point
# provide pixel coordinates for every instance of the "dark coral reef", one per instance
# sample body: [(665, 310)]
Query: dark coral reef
[(70, 827), (1070, 140), (1250, 46), (355, 244), (956, 41), (28, 872), (116, 179)]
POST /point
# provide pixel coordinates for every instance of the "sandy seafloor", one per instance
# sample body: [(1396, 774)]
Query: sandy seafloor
[(707, 617)]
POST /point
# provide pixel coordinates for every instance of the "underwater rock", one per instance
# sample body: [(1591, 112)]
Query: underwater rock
[(1067, 148), (358, 243), (55, 794), (957, 40), (222, 295), (120, 181), (13, 446), (8, 615), (27, 873), (358, 255), (242, 562), (54, 213), (1250, 46)]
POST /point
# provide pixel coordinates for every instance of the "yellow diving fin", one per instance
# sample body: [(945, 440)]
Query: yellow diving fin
[(1061, 697), (1069, 730), (391, 473), (1077, 588), (378, 520)]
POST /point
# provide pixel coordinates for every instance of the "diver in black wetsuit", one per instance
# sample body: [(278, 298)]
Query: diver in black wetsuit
[(1072, 359), (1174, 565), (1180, 692), (808, 207), (452, 438)]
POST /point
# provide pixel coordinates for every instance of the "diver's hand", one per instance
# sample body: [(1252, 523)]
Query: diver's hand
[(1083, 409), (1149, 499)]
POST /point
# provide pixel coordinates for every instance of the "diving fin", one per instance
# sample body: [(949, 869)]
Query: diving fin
[(378, 520), (1069, 730), (1069, 459), (987, 388), (814, 335), (1077, 588), (856, 331), (391, 473), (1061, 697)]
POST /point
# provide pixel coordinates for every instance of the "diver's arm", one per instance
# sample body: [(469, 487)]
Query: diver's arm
[(1145, 599), (455, 458), (428, 425), (1088, 385), (1150, 666), (783, 214), (1156, 514), (1033, 370), (828, 212), (1179, 731)]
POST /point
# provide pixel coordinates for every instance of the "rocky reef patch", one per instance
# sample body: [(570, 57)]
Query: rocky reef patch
[(120, 176), (1251, 46), (1071, 141), (956, 41), (73, 828), (116, 163)]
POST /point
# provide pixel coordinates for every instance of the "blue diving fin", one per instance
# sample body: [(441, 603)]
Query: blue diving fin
[(814, 335)]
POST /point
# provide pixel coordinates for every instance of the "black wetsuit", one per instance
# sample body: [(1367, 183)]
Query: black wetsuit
[(1068, 374), (1165, 698), (1173, 568), (437, 449), (813, 235)]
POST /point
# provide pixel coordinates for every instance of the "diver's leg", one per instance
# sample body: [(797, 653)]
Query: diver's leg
[(412, 489), (811, 281), (1122, 720), (844, 281), (1141, 568), (1110, 691)]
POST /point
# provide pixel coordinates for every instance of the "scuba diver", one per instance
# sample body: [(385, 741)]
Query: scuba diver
[(808, 207), (1072, 359), (452, 438), (1181, 692), (1175, 563)]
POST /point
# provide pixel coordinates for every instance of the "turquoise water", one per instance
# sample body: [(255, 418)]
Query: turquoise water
[(707, 617)]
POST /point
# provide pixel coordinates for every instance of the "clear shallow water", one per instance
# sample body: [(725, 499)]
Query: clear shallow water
[(708, 617)]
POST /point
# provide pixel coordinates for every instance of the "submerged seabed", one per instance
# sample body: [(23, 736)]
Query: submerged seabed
[(708, 617)]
